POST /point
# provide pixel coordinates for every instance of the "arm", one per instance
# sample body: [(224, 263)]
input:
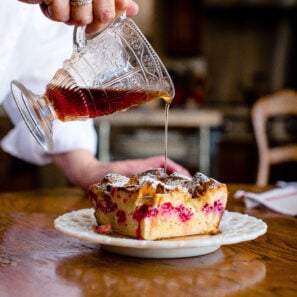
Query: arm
[(83, 169)]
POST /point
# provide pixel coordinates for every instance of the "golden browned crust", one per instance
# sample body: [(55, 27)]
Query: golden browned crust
[(154, 205)]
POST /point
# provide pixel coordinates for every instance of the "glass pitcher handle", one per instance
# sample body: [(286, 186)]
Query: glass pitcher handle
[(79, 38)]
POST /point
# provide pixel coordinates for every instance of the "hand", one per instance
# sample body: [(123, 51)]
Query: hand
[(96, 15), (83, 169)]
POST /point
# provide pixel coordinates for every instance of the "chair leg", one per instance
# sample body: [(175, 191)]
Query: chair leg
[(263, 174)]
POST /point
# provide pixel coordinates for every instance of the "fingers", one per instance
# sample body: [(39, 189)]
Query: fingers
[(121, 6), (57, 10), (96, 14), (81, 12), (132, 9), (31, 1), (171, 166), (174, 167), (104, 11)]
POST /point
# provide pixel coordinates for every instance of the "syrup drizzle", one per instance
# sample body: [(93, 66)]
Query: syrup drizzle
[(168, 101)]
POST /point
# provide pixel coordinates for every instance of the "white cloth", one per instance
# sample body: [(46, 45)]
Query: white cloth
[(32, 48), (282, 199)]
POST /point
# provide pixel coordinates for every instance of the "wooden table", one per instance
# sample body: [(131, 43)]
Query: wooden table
[(37, 260), (202, 119)]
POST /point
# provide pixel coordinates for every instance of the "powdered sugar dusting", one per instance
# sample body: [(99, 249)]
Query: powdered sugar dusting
[(158, 179), (116, 180), (148, 179)]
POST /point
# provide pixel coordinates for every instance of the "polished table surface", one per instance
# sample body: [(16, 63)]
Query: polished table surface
[(37, 260)]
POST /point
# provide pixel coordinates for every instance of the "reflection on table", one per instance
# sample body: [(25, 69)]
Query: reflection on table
[(37, 260)]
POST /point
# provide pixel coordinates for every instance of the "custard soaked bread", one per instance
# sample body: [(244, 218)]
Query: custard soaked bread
[(154, 205)]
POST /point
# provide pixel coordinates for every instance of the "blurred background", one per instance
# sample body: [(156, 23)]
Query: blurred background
[(222, 55)]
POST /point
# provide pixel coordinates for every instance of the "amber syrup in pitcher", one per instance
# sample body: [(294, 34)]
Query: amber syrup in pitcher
[(72, 104), (78, 103)]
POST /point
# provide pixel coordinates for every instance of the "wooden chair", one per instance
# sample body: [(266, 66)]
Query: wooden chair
[(278, 104)]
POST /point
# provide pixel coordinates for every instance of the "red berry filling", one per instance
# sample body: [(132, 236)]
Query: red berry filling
[(217, 206), (184, 213), (166, 208), (107, 205), (121, 216), (146, 211), (102, 229)]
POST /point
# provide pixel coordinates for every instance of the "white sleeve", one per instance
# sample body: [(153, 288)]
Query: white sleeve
[(68, 136), (32, 57)]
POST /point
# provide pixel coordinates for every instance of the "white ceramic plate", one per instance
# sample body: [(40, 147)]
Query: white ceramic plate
[(235, 228)]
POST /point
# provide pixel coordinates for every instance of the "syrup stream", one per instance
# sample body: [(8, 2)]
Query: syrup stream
[(168, 101)]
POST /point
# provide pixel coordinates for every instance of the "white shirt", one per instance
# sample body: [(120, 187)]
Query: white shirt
[(32, 48)]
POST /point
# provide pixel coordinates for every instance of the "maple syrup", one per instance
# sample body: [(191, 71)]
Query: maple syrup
[(167, 105), (77, 103), (72, 104)]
